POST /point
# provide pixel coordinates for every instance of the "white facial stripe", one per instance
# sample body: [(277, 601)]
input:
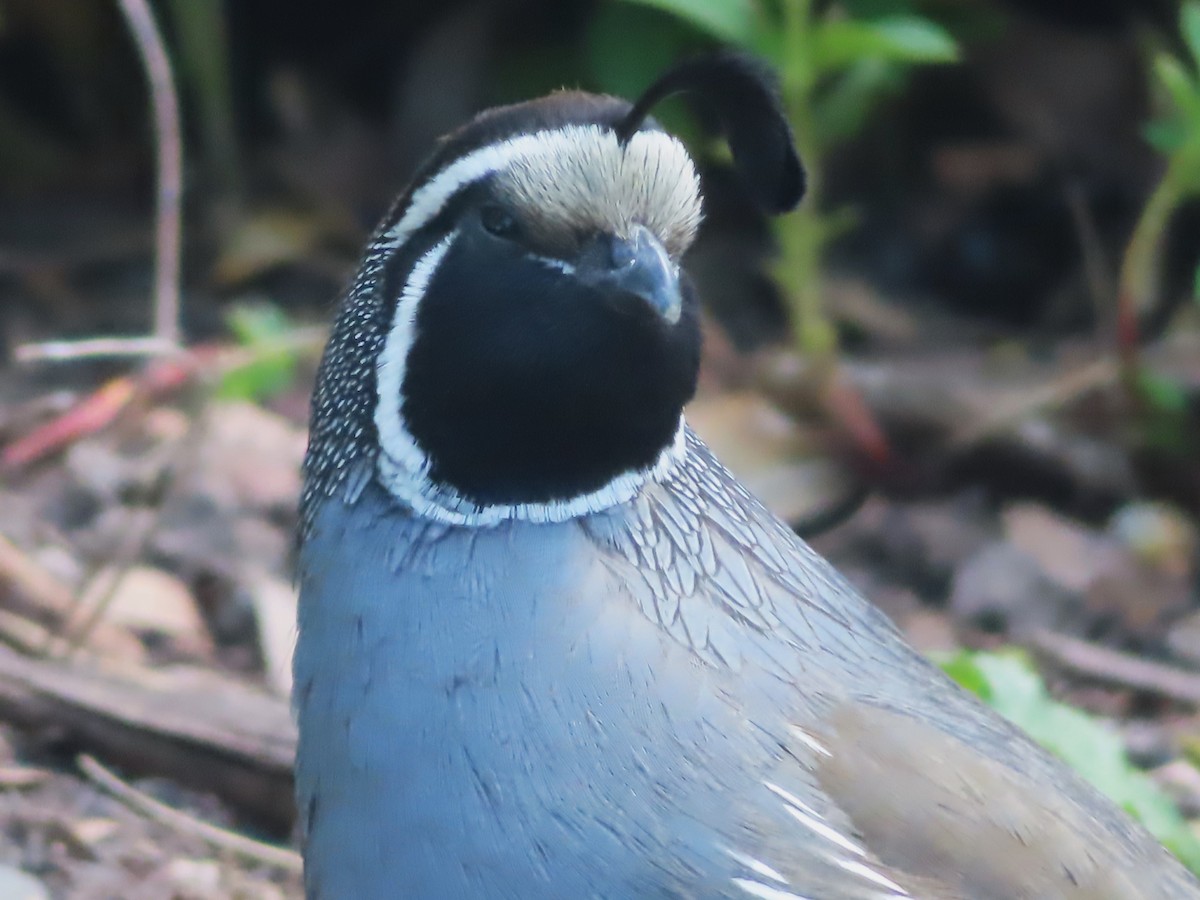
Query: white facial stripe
[(429, 199), (404, 467), (394, 437), (579, 165)]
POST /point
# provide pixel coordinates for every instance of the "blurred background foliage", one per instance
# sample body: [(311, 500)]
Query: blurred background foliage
[(304, 119)]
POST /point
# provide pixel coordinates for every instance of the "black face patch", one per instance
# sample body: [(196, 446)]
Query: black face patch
[(524, 385)]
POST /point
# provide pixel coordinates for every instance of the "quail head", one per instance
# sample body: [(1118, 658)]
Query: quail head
[(548, 646)]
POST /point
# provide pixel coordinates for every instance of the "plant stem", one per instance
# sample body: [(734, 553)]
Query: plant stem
[(139, 18), (802, 234), (1140, 264)]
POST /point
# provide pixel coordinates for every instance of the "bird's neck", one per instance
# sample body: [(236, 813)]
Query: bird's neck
[(444, 503)]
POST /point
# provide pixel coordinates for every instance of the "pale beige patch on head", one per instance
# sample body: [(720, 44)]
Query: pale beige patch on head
[(579, 180)]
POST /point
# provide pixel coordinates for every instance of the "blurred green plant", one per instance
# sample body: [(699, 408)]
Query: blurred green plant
[(264, 331), (835, 64), (1009, 684), (1176, 135), (206, 72)]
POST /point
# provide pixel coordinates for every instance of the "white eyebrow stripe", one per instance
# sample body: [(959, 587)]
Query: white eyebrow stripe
[(431, 197)]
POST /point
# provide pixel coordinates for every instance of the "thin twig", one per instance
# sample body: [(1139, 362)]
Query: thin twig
[(1101, 282), (139, 528), (169, 146), (1065, 389), (94, 348), (36, 594), (1114, 667), (219, 838), (97, 596)]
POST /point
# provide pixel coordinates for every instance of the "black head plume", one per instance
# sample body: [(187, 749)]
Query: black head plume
[(741, 92)]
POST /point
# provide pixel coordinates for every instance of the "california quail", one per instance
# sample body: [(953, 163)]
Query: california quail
[(548, 646)]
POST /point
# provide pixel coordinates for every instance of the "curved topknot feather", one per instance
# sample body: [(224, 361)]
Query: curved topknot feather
[(742, 92)]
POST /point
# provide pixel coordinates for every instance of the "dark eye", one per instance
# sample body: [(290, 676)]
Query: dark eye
[(498, 221)]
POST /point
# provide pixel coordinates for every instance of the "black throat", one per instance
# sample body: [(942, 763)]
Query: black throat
[(524, 386)]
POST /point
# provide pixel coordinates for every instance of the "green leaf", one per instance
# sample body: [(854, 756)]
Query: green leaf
[(733, 21), (260, 328), (626, 45), (843, 108), (962, 668), (203, 58), (902, 39), (1196, 286), (1010, 685), (1180, 86), (1162, 393), (876, 9), (1189, 27), (1166, 135)]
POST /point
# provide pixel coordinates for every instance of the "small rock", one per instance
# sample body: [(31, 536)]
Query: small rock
[(17, 776), (929, 631), (926, 543), (248, 458), (775, 457), (1183, 639), (18, 885), (1182, 781), (1141, 600), (195, 879), (60, 562), (94, 831), (149, 600), (1003, 590), (98, 469), (1158, 535), (1147, 743), (165, 424), (274, 602), (1065, 550)]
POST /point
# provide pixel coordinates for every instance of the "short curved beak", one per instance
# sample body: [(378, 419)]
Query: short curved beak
[(639, 265)]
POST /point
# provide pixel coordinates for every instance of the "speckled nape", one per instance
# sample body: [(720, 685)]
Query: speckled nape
[(342, 425)]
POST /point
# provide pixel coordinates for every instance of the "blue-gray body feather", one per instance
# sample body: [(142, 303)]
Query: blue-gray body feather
[(614, 706)]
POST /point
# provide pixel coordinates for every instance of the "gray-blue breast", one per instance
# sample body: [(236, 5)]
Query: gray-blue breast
[(548, 646)]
